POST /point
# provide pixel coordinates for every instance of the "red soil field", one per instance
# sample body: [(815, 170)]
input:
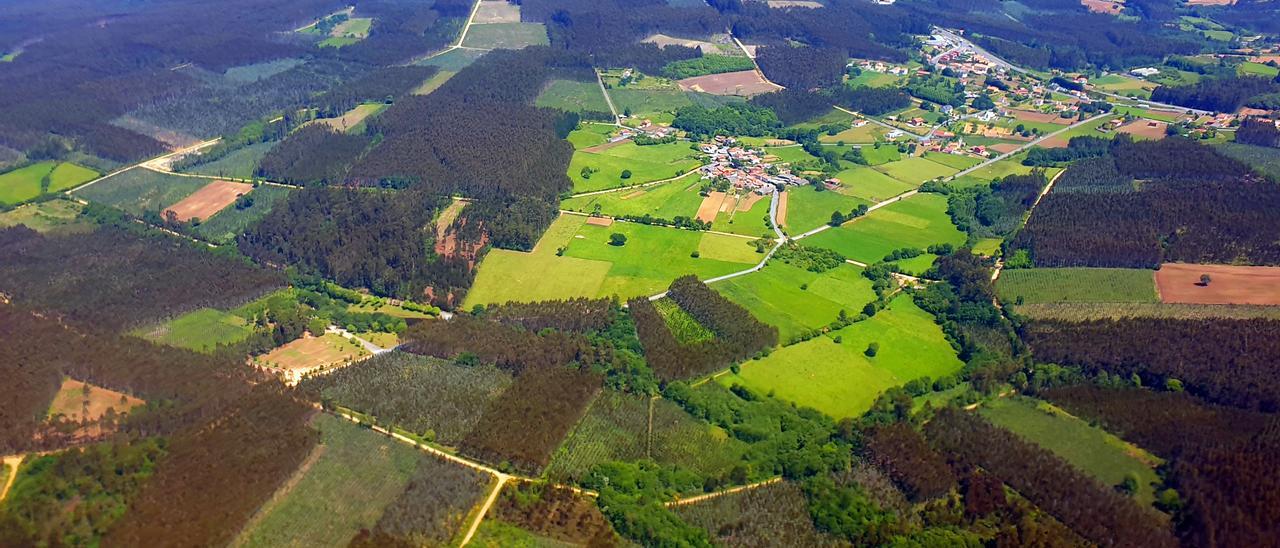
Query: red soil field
[(745, 83), (600, 221), (710, 206), (208, 200), (1258, 285), (1150, 129), (782, 209), (1031, 116)]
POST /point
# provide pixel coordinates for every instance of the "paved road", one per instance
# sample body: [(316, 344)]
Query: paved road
[(966, 44), (873, 207)]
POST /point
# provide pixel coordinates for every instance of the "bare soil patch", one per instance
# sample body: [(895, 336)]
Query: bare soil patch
[(1210, 2), (1057, 141), (1103, 6), (1264, 59), (350, 118), (710, 206), (750, 200), (600, 221), (782, 209), (1257, 285), (1032, 116), (74, 403), (1151, 129), (497, 12), (310, 354), (743, 83), (449, 215), (1004, 148), (782, 4), (662, 41), (210, 199)]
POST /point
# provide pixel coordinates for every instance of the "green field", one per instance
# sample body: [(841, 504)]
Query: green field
[(453, 60), (1091, 449), (838, 378), (917, 265), (240, 164), (202, 330), (881, 155), (682, 325), (953, 161), (751, 222), (435, 81), (590, 134), (647, 102), (1124, 85), (867, 134), (871, 185), (573, 96), (60, 215), (916, 222), (667, 200), (590, 267), (494, 533), (1249, 68), (915, 170), (139, 190), (1077, 285), (808, 209), (646, 163), (357, 475), (796, 300), (24, 183), (873, 79), (225, 225), (996, 170), (506, 36), (1163, 116)]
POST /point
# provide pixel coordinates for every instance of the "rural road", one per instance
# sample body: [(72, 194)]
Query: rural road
[(14, 462), (873, 207), (995, 273), (717, 494), (1026, 146), (608, 100), (372, 348)]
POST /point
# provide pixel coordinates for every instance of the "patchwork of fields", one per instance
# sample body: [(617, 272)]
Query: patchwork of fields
[(28, 182), (916, 222)]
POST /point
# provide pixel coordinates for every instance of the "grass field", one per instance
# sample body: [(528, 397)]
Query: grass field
[(435, 81), (357, 474), (646, 164), (573, 96), (647, 102), (202, 330), (239, 164), (590, 267), (506, 36), (953, 161), (775, 296), (24, 183), (917, 265), (61, 216), (1086, 447), (1162, 116), (223, 227), (1077, 285), (837, 378), (1249, 68), (867, 134), (590, 134), (917, 222), (996, 170), (808, 209), (747, 223), (1124, 85), (667, 200), (139, 190), (870, 184), (494, 533), (453, 60), (915, 170)]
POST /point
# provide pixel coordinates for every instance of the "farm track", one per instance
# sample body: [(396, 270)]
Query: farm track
[(1025, 146), (721, 493), (14, 462), (484, 509), (456, 45), (281, 493), (995, 273), (608, 100)]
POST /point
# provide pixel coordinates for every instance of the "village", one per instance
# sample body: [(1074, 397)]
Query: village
[(745, 168)]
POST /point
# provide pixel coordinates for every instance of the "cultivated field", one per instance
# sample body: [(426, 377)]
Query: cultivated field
[(838, 378), (591, 267), (202, 330), (869, 184), (1257, 285), (744, 83), (868, 133), (796, 300), (506, 36), (25, 183), (915, 170), (1082, 312), (658, 105), (310, 354), (666, 201), (208, 201), (232, 221), (646, 163), (917, 222), (1086, 447), (352, 118), (240, 164), (139, 190), (1145, 129), (1076, 285), (353, 474), (743, 214)]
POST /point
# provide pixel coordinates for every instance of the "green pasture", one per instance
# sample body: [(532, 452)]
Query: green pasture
[(796, 300), (751, 222), (590, 267), (870, 185), (648, 102), (1249, 68), (59, 215), (808, 209), (573, 96), (24, 183), (506, 36), (646, 163), (953, 161), (1077, 285), (1088, 448), (453, 60), (917, 222), (666, 201), (590, 134), (789, 154), (915, 170), (883, 154), (917, 265), (202, 330), (838, 378)]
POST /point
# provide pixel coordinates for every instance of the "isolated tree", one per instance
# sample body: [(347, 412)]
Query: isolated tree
[(1205, 279), (626, 174), (617, 239), (872, 349)]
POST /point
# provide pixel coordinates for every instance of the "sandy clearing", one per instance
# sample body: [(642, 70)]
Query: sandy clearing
[(350, 118), (662, 41), (1258, 285), (1151, 129), (710, 206), (742, 83), (210, 199), (449, 215), (70, 401), (600, 221), (496, 12), (783, 4)]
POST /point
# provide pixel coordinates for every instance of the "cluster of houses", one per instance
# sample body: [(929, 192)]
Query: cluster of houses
[(646, 129), (744, 168), (877, 66), (964, 63)]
